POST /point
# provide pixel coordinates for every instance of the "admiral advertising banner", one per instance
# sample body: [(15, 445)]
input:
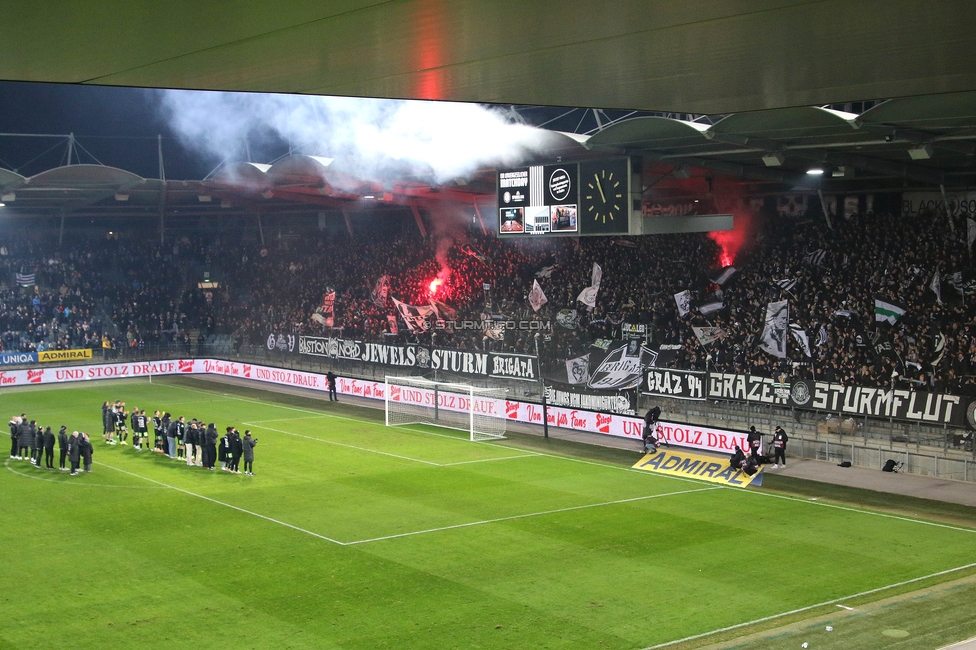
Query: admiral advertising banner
[(498, 365), (916, 406), (705, 468), (678, 384), (17, 358), (64, 355), (624, 403), (620, 366)]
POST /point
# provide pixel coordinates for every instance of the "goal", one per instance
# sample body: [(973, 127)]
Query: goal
[(414, 400)]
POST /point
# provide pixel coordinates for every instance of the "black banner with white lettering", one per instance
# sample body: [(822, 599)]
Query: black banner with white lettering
[(677, 384), (577, 397), (495, 365), (857, 401)]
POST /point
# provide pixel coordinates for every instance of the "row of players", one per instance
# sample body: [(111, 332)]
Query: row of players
[(192, 441), (34, 442)]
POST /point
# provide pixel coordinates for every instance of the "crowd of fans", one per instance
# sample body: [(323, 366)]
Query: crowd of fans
[(135, 294)]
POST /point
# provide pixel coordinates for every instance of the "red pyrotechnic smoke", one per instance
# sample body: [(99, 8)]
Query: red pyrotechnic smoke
[(730, 241)]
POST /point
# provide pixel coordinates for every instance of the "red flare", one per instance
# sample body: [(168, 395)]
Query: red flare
[(435, 285)]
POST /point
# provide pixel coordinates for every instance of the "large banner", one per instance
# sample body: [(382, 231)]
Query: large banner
[(497, 365), (747, 388), (624, 402), (917, 406), (620, 366), (678, 384)]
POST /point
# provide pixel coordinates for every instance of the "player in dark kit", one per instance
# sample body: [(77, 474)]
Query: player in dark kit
[(140, 429), (121, 428), (159, 433)]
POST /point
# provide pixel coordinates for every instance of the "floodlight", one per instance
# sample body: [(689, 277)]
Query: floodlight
[(922, 152), (775, 159)]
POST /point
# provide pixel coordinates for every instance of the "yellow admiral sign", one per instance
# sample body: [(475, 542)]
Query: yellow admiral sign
[(64, 355), (705, 468)]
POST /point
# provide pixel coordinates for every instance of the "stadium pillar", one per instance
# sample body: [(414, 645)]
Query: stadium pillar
[(420, 222), (61, 232), (345, 215), (477, 211), (545, 412)]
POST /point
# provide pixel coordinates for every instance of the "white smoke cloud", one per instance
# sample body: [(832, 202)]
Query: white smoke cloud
[(432, 141)]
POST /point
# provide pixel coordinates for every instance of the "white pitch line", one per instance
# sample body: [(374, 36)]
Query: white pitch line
[(809, 607), (850, 609), (526, 515), (487, 460), (82, 482), (226, 505), (342, 444)]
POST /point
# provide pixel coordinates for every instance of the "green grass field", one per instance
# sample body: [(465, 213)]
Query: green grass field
[(354, 535)]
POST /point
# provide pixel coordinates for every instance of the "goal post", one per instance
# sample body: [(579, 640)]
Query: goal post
[(415, 400)]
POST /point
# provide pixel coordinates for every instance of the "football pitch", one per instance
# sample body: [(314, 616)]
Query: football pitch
[(356, 535)]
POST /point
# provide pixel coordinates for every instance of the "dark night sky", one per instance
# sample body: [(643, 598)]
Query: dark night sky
[(119, 127)]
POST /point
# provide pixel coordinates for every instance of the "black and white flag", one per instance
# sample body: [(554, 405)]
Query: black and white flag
[(816, 258), (725, 275), (415, 316), (537, 297), (325, 315), (577, 370), (822, 336), (381, 290), (785, 285), (800, 335), (708, 335), (774, 331), (25, 279), (710, 306), (683, 301), (545, 271), (936, 286)]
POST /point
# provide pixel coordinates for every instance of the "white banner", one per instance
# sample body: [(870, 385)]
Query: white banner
[(537, 297), (683, 300), (774, 333)]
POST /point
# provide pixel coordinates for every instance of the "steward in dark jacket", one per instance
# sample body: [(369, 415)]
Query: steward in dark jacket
[(25, 438), (62, 446), (49, 448)]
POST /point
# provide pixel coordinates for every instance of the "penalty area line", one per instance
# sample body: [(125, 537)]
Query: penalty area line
[(226, 505), (800, 610), (526, 515)]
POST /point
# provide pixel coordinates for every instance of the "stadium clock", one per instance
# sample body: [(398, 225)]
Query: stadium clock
[(604, 196)]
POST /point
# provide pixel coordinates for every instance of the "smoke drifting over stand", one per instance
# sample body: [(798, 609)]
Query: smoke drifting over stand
[(369, 138)]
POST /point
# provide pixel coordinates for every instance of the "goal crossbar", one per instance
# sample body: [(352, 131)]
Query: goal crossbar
[(414, 400)]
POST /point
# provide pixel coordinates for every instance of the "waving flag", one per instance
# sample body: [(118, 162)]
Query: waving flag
[(381, 290), (413, 315), (683, 301), (887, 312), (25, 279), (773, 339), (801, 337), (325, 315), (537, 297), (816, 258)]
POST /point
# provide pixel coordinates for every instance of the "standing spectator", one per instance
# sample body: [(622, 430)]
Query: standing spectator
[(211, 446), (755, 442), (25, 438), (49, 447), (37, 445), (190, 442), (86, 451), (779, 447), (248, 443), (330, 379), (236, 449), (14, 426), (74, 452), (108, 420), (172, 433), (62, 447)]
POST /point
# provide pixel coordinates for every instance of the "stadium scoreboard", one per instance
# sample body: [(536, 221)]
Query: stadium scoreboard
[(592, 197)]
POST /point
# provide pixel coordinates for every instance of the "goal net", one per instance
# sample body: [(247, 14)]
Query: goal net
[(414, 400)]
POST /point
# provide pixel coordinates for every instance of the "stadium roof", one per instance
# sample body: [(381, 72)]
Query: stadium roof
[(698, 57)]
